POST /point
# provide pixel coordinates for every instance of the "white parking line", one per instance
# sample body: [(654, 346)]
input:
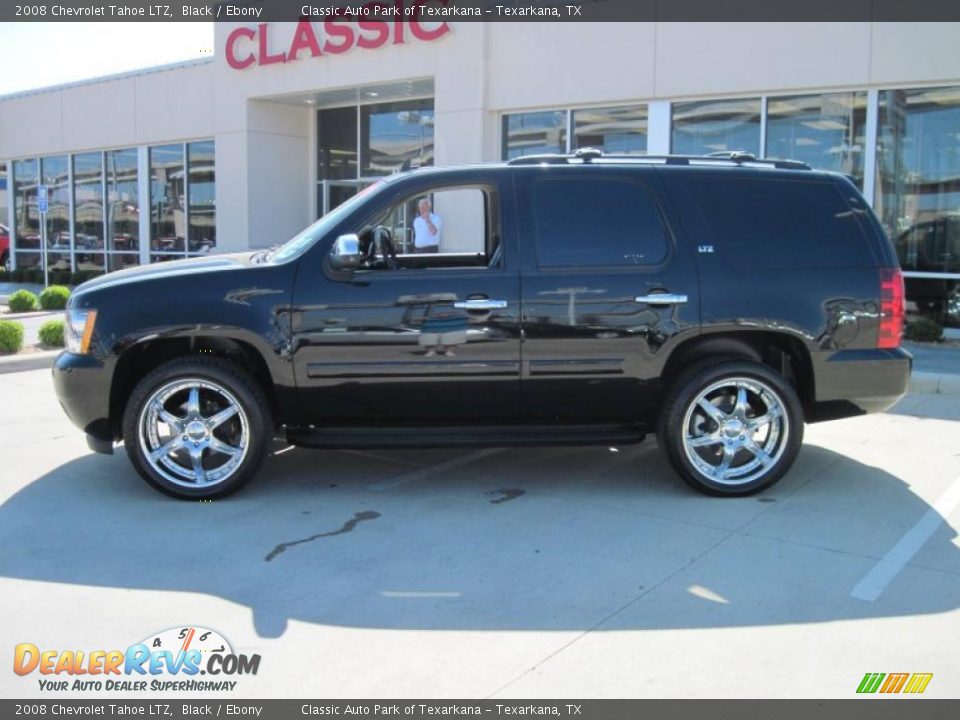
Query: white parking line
[(425, 472), (889, 566)]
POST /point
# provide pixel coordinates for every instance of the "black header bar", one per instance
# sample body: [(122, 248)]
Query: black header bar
[(725, 11)]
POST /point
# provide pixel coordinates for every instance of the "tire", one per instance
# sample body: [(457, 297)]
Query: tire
[(5, 261), (746, 443), (211, 414)]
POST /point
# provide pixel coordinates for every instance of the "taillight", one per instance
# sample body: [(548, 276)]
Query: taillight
[(892, 308)]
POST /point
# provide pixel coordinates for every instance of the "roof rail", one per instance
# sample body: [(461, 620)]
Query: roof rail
[(589, 155)]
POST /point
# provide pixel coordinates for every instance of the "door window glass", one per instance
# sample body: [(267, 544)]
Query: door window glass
[(596, 222)]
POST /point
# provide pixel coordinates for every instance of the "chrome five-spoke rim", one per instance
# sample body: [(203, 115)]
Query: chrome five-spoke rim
[(735, 430), (194, 432)]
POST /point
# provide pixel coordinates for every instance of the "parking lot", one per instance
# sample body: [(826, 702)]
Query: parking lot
[(542, 572)]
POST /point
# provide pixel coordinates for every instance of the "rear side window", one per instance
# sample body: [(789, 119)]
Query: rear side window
[(596, 222), (773, 223)]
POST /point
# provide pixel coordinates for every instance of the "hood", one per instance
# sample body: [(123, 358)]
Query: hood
[(161, 271)]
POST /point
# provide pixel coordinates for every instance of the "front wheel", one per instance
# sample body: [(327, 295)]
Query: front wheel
[(197, 428), (733, 428)]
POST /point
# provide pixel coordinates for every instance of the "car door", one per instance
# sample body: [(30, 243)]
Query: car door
[(608, 292), (432, 340)]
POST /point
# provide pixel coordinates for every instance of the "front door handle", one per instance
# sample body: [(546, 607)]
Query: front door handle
[(481, 304), (661, 298)]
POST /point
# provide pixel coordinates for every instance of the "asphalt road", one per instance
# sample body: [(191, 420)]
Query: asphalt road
[(522, 573)]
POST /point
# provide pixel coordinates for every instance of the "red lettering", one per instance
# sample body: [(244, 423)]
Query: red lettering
[(398, 24), (265, 57), (303, 39), (334, 30), (232, 60), (382, 31)]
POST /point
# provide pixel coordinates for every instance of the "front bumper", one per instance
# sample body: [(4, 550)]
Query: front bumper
[(857, 382), (82, 384)]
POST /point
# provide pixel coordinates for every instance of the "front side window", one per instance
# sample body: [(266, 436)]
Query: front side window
[(444, 227), (596, 222)]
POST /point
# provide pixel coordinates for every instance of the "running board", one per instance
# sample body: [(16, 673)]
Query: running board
[(467, 436)]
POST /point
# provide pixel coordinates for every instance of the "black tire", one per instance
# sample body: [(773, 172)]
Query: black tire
[(4, 259), (221, 385), (697, 441)]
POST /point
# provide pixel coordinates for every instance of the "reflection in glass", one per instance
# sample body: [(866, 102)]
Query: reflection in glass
[(826, 131), (167, 211), (53, 174), (621, 130), (936, 298), (26, 217), (88, 211), (396, 136), (709, 126), (534, 133), (203, 197), (337, 143), (120, 261), (918, 176), (123, 210)]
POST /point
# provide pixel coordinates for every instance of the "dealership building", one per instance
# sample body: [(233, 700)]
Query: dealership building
[(286, 120)]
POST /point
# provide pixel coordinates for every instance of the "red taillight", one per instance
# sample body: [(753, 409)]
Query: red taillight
[(892, 308)]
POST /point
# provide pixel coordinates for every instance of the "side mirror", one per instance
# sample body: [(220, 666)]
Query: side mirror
[(345, 253)]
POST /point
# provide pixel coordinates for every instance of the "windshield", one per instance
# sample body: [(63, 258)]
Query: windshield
[(299, 244)]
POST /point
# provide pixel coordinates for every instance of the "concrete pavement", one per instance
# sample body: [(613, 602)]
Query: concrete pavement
[(546, 572)]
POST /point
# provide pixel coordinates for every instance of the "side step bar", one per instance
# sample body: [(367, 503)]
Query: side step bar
[(457, 437)]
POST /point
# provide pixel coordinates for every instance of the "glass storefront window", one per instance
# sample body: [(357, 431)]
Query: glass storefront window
[(710, 126), (918, 166), (202, 202), (337, 143), (168, 216), (54, 174), (88, 212), (826, 131), (534, 133), (918, 193), (620, 130), (26, 217), (123, 208), (396, 136)]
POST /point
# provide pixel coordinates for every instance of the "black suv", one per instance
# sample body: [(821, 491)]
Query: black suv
[(721, 302)]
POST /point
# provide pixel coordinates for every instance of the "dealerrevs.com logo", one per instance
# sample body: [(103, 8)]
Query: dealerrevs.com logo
[(172, 660)]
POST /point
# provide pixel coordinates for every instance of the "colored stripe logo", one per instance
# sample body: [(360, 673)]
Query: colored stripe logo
[(890, 683)]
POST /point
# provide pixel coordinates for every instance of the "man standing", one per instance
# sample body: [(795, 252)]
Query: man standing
[(426, 229)]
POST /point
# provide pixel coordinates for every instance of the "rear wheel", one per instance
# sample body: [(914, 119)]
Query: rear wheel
[(5, 261), (197, 428), (733, 428)]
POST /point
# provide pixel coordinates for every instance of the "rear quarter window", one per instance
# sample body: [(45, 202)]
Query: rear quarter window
[(605, 221), (779, 223)]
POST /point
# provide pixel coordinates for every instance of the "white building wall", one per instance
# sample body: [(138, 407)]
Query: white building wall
[(265, 149)]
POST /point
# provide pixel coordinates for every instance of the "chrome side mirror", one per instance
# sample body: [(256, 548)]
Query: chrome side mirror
[(345, 253)]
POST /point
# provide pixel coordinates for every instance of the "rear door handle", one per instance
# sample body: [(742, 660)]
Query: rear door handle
[(661, 298), (481, 304)]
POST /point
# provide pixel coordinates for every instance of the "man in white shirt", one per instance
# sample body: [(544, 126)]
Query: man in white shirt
[(426, 229)]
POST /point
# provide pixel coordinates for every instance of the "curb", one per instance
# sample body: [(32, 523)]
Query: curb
[(931, 383), (31, 361), (26, 315)]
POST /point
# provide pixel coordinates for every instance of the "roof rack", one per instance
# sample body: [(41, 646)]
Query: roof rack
[(590, 155)]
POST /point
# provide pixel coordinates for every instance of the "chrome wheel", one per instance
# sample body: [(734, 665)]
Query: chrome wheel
[(194, 432), (735, 431)]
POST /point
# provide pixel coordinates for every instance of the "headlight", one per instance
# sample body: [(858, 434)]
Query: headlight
[(79, 330)]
